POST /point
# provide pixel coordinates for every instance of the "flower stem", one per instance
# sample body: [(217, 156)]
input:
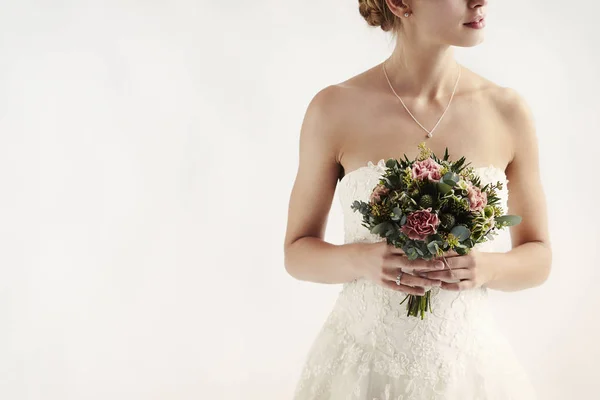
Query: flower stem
[(407, 296)]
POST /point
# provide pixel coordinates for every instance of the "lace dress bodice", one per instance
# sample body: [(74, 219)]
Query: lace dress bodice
[(369, 349)]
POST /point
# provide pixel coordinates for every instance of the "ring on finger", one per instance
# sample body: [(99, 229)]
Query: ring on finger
[(399, 277)]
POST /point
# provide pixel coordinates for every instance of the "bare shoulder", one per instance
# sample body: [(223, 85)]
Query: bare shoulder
[(333, 107), (527, 196), (505, 99), (517, 117), (321, 133), (321, 125), (327, 103), (349, 88), (511, 104), (511, 109), (316, 177), (364, 85)]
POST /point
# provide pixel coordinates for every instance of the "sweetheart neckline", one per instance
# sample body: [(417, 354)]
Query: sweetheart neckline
[(371, 164)]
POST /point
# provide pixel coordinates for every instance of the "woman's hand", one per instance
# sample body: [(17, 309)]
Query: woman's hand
[(464, 272), (381, 263)]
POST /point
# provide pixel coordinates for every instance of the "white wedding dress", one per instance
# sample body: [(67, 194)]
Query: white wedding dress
[(368, 349)]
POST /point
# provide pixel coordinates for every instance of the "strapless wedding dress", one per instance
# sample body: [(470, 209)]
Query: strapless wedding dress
[(368, 349)]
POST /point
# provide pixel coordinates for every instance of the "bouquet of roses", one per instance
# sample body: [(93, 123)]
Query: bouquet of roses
[(429, 206)]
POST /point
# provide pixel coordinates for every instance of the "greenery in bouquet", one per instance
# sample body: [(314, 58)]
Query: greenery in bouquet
[(429, 206)]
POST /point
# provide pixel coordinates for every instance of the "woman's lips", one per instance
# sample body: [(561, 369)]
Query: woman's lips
[(476, 25)]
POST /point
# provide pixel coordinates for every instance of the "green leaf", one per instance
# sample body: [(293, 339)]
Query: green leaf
[(450, 178), (390, 163), (432, 247), (382, 228), (443, 187), (461, 232), (393, 180), (461, 250), (403, 220), (510, 220), (396, 213), (436, 237)]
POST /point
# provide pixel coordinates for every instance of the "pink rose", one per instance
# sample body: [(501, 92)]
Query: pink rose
[(426, 169), (477, 198), (379, 191), (420, 224)]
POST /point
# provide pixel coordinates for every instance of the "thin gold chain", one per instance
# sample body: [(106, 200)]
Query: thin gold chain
[(429, 132)]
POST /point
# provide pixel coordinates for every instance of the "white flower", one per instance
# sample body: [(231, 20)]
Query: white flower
[(463, 184)]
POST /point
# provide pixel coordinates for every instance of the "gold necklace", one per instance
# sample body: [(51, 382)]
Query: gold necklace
[(429, 132)]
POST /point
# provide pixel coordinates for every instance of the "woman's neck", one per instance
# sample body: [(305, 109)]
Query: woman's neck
[(419, 73)]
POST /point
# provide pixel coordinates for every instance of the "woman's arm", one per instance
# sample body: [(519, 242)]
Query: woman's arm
[(528, 263), (307, 256)]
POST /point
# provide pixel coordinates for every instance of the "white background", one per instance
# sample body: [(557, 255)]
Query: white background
[(147, 153)]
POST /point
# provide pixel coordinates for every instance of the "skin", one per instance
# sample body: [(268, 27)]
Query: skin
[(360, 120)]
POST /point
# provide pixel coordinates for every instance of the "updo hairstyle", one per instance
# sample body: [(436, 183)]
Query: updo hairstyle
[(377, 13)]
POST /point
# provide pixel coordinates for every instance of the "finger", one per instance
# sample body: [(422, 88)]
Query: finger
[(451, 262), (451, 275), (420, 271), (398, 261), (420, 264), (410, 279), (451, 253), (418, 291), (458, 286), (395, 250)]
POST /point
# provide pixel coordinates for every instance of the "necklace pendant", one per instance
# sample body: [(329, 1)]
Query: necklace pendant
[(429, 133)]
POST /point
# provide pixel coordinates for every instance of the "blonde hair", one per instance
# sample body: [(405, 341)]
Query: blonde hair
[(377, 13)]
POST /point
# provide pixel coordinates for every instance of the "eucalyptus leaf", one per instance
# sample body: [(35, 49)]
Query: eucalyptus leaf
[(393, 181), (390, 163), (403, 220), (510, 220), (432, 247), (382, 228), (450, 178), (443, 187), (396, 214), (461, 232), (437, 238)]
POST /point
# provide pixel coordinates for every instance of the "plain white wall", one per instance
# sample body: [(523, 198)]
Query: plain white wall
[(147, 153)]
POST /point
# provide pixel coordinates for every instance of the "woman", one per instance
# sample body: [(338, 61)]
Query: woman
[(368, 348)]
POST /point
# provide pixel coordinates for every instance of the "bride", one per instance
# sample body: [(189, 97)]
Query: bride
[(368, 348)]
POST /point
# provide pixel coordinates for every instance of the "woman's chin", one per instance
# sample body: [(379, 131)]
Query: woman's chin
[(471, 41)]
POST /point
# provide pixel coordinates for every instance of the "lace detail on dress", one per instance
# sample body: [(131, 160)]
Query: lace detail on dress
[(368, 349)]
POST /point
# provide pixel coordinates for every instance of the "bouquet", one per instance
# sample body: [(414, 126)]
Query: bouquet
[(429, 206)]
